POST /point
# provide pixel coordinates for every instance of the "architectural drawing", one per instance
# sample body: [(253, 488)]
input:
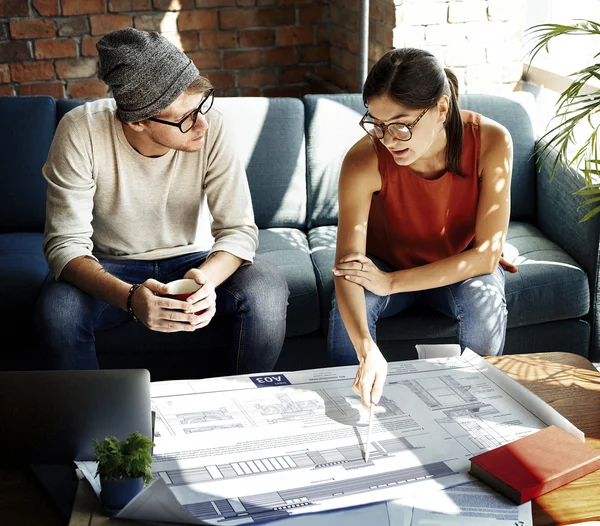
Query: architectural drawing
[(466, 416), (249, 449), (204, 416), (190, 430), (349, 457), (280, 504)]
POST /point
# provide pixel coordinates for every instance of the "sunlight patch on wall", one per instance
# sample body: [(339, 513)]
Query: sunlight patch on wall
[(168, 24)]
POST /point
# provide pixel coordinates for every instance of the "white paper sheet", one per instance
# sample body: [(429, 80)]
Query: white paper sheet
[(470, 504), (262, 447), (438, 350)]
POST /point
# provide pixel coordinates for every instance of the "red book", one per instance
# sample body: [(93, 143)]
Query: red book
[(536, 464)]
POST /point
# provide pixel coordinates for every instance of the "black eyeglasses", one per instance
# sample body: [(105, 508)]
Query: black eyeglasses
[(188, 122), (402, 132)]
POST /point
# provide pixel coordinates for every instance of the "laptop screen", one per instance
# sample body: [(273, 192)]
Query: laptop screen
[(53, 416)]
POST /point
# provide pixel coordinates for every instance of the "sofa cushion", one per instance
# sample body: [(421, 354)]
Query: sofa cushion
[(269, 137), (27, 127), (66, 105), (23, 271), (322, 250), (287, 249), (549, 286), (331, 129)]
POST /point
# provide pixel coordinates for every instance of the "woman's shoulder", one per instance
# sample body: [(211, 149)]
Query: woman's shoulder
[(493, 135), (470, 117), (361, 163), (362, 154), (495, 149)]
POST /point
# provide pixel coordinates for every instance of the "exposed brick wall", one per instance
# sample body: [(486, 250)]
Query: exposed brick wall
[(245, 47), (259, 47), (481, 40)]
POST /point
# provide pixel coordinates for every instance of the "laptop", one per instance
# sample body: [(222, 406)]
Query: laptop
[(53, 416)]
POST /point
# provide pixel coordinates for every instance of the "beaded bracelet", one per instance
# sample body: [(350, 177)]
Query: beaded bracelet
[(130, 297)]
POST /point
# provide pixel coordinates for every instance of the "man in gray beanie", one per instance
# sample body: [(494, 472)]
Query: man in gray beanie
[(143, 190)]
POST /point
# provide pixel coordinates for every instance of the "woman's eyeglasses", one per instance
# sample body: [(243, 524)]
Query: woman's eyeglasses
[(402, 132)]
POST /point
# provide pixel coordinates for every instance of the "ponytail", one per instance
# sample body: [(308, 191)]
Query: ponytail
[(454, 126)]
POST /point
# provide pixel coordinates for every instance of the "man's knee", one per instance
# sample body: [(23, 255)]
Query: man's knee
[(264, 286), (58, 307)]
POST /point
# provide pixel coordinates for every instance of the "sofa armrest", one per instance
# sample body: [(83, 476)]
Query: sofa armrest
[(559, 219)]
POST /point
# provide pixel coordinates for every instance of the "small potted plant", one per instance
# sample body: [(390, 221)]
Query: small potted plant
[(123, 467)]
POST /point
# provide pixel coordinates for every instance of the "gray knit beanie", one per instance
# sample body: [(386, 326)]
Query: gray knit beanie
[(144, 71)]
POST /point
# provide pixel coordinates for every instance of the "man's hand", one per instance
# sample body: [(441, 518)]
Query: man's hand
[(370, 376), (162, 314), (361, 270), (204, 299)]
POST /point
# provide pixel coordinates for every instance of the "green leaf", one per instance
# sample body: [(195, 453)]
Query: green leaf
[(589, 201), (583, 191), (573, 109), (590, 214), (129, 458)]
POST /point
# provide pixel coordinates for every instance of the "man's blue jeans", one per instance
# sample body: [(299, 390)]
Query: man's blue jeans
[(477, 304), (256, 295)]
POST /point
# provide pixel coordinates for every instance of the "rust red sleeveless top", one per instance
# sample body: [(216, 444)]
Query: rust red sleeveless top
[(414, 221)]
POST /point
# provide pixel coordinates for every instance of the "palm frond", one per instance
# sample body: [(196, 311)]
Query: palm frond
[(590, 214), (542, 34), (575, 107), (590, 201)]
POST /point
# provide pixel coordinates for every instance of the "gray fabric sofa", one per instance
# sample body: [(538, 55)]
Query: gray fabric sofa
[(293, 149)]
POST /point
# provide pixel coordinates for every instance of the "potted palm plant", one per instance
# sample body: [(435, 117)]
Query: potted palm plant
[(123, 467), (577, 106)]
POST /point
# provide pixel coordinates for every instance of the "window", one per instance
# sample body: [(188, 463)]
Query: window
[(568, 54)]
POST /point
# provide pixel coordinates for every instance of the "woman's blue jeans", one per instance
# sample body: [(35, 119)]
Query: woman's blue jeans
[(256, 295), (477, 304)]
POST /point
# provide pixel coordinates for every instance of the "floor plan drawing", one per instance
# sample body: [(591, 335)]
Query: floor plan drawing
[(348, 457), (204, 416), (278, 504), (440, 392), (190, 430), (288, 409), (466, 417), (248, 449)]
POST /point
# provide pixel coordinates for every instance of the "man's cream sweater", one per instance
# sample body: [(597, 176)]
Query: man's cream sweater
[(106, 200)]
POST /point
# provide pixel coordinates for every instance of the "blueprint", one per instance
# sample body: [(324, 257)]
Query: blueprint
[(247, 449)]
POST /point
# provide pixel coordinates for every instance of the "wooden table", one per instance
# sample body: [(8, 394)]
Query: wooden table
[(571, 385), (566, 381)]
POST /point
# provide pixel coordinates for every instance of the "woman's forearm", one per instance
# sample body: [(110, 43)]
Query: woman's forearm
[(351, 303), (445, 272)]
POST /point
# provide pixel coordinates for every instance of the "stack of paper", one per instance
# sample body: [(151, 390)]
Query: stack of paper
[(253, 448)]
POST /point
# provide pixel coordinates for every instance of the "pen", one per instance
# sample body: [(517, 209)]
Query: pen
[(368, 446)]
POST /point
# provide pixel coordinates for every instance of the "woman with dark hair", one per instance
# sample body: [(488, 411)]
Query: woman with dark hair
[(424, 204)]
